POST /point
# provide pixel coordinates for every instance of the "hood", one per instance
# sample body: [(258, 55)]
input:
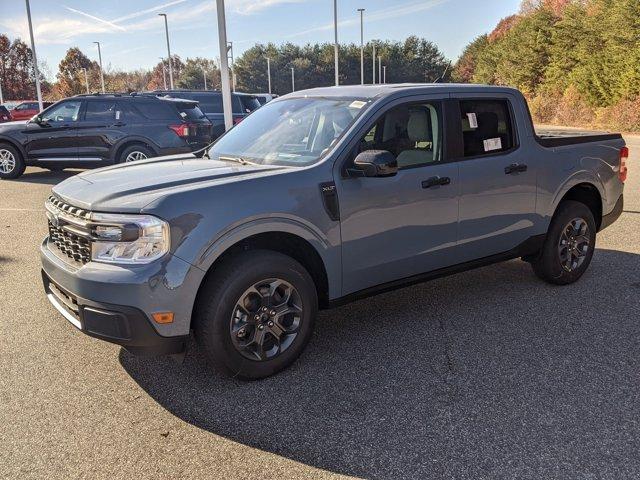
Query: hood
[(128, 188), (11, 126)]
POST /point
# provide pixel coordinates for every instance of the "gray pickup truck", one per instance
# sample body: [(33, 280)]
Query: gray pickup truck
[(321, 197)]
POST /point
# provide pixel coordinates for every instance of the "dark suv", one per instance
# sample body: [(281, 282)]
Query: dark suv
[(210, 102), (89, 131)]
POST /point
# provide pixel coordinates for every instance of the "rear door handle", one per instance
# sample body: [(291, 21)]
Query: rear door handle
[(515, 168), (435, 181)]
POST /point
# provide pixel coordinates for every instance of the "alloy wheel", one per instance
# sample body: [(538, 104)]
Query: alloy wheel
[(574, 244), (135, 155), (7, 161), (266, 319)]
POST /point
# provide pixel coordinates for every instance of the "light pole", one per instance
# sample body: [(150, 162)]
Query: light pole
[(233, 73), (166, 30), (86, 79), (361, 10), (384, 74), (269, 72), (379, 69), (335, 40), (293, 81), (204, 74), (35, 58), (100, 62), (374, 64), (224, 65), (1, 97), (164, 72)]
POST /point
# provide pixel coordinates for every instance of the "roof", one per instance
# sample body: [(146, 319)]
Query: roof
[(131, 96), (382, 90)]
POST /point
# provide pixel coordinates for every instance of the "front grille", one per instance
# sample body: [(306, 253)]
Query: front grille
[(69, 230)]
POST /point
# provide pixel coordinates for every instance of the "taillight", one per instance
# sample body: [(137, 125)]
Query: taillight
[(181, 130), (622, 172), (237, 120)]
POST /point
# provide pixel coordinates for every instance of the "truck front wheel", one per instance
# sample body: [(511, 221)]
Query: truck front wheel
[(255, 314), (569, 245)]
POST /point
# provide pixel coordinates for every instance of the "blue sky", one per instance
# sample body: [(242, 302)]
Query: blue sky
[(132, 34)]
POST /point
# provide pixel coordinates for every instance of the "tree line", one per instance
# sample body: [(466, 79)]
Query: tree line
[(414, 60), (577, 61)]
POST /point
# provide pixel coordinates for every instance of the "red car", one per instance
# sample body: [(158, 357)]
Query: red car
[(27, 109)]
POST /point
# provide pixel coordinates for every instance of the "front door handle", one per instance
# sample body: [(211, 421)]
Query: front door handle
[(435, 181), (515, 168)]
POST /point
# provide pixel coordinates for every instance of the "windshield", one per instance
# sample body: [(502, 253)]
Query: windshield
[(293, 132)]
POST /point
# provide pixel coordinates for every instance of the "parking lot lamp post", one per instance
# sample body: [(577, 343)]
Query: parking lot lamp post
[(35, 58), (293, 80), (379, 69), (1, 97), (164, 72), (361, 10), (384, 74), (269, 72), (100, 63), (335, 39), (166, 31), (204, 75), (86, 79), (224, 65), (374, 64)]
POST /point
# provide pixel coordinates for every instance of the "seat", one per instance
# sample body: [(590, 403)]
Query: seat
[(419, 131)]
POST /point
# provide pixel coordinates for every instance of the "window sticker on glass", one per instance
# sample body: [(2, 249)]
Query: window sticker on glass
[(357, 104), (118, 114), (492, 144), (473, 121)]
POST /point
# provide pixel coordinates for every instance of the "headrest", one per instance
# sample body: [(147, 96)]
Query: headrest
[(418, 127), (487, 124)]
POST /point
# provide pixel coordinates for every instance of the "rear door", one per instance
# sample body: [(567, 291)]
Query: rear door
[(101, 126), (497, 178), (54, 138)]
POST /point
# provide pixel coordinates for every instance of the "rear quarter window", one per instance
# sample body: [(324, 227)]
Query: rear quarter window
[(189, 111), (209, 103), (157, 110), (249, 104)]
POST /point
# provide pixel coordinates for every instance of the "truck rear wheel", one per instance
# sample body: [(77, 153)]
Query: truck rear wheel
[(569, 245), (255, 314)]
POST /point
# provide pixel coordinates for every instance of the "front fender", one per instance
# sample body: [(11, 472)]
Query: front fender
[(230, 236)]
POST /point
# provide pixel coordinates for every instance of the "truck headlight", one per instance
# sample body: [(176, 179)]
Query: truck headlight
[(129, 239)]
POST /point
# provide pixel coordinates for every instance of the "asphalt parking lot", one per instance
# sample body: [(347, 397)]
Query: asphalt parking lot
[(486, 374)]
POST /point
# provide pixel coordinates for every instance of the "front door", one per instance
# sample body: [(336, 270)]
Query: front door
[(53, 137), (399, 226), (497, 178)]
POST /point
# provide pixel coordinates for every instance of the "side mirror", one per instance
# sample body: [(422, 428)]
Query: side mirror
[(376, 163)]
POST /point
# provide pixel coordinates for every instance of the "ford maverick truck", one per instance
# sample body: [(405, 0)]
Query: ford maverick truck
[(321, 197)]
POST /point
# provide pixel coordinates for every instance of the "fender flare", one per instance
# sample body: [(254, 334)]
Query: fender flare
[(580, 177), (328, 253), (15, 144)]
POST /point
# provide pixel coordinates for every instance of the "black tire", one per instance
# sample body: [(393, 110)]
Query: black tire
[(216, 306), (132, 150), (12, 164), (548, 265)]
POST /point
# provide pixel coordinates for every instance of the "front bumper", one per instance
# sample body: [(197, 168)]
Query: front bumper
[(115, 304), (118, 324)]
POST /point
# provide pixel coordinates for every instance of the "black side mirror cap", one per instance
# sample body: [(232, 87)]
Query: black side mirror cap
[(376, 163)]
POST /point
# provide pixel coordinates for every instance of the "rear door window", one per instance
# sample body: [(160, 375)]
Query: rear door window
[(100, 110), (486, 127)]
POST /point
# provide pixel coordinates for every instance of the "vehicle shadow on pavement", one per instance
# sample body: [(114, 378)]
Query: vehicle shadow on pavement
[(46, 177), (482, 374)]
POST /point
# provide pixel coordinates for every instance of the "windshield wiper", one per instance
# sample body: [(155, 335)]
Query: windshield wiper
[(239, 160)]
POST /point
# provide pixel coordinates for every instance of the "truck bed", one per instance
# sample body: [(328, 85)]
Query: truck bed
[(559, 137)]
